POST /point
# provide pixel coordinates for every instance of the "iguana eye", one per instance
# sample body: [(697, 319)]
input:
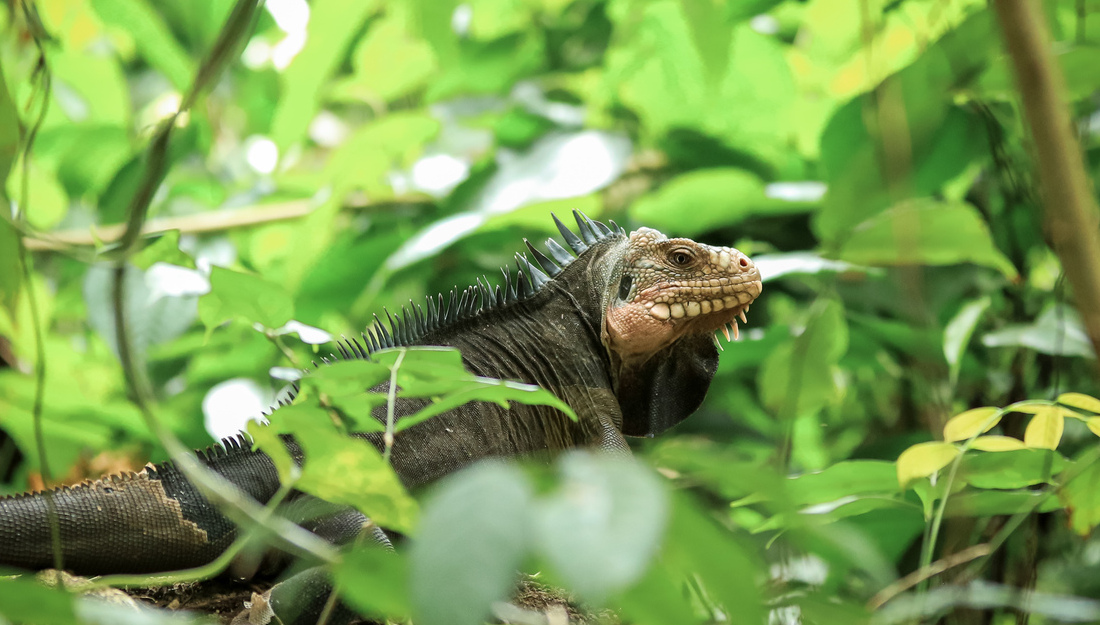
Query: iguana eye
[(681, 257), (624, 286)]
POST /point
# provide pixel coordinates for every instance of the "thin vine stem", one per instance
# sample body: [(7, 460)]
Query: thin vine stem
[(391, 405)]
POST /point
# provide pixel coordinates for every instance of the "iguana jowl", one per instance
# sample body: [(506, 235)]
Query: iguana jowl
[(621, 329)]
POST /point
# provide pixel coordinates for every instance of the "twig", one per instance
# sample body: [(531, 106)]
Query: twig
[(391, 404), (1070, 211), (213, 221), (926, 572)]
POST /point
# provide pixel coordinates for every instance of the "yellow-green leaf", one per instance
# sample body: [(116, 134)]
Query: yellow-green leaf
[(972, 422), (1094, 425), (1045, 429), (924, 459), (1080, 400), (997, 443), (1028, 406)]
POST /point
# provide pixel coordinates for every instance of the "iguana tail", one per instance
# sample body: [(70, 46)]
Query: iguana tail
[(145, 522)]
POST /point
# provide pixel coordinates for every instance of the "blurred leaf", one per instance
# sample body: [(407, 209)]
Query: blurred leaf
[(1080, 400), (1081, 497), (1057, 331), (94, 88), (89, 156), (996, 502), (234, 294), (1078, 66), (47, 202), (473, 533), (347, 470), (695, 546), (1044, 431), (388, 62), (373, 581), (1011, 469), (166, 249), (1094, 425), (602, 526), (656, 600), (997, 443), (956, 336), (151, 35), (25, 601), (707, 199), (267, 440), (925, 232), (843, 479), (10, 268), (924, 459), (797, 378), (970, 423), (332, 25)]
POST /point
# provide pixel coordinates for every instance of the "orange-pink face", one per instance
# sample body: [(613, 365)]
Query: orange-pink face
[(673, 287)]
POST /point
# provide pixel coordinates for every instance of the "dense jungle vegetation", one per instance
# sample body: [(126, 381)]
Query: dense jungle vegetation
[(906, 431)]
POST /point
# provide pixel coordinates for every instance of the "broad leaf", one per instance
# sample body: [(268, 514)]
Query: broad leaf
[(970, 423), (234, 294), (1080, 400), (924, 459), (1044, 431), (473, 533)]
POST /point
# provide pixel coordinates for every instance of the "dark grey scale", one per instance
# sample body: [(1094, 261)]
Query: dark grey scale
[(362, 353), (571, 239), (601, 228), (559, 253), (588, 235), (549, 266), (383, 335)]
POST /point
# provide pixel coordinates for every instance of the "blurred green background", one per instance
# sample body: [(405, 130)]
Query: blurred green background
[(356, 154)]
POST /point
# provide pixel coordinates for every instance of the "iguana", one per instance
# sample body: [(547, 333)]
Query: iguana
[(621, 329)]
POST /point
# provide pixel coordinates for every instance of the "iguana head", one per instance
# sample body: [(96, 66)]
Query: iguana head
[(672, 295)]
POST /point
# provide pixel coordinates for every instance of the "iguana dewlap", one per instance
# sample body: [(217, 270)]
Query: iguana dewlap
[(621, 328)]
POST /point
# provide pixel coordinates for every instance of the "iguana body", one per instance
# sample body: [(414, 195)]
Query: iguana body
[(623, 333)]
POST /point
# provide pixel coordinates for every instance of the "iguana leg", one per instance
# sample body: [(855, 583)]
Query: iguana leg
[(301, 598)]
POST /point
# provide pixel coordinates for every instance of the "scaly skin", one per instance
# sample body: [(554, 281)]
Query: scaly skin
[(623, 333)]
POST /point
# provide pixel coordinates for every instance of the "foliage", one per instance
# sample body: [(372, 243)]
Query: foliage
[(300, 166)]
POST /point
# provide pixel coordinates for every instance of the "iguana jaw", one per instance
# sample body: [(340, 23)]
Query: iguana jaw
[(677, 288)]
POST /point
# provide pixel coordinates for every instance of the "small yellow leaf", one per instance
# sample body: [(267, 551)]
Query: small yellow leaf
[(1045, 429), (924, 459), (1094, 425), (1080, 400), (997, 443), (967, 424), (1029, 406)]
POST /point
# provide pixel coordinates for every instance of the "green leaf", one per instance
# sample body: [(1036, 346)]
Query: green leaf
[(165, 249), (1057, 331), (603, 524), (1044, 431), (1094, 425), (10, 267), (656, 600), (924, 459), (989, 503), (97, 84), (373, 581), (1081, 497), (957, 334), (925, 232), (234, 294), (696, 547), (1011, 469), (970, 423), (26, 601), (266, 439), (332, 26), (151, 36), (797, 378), (706, 199), (473, 535), (347, 470), (388, 62), (843, 479)]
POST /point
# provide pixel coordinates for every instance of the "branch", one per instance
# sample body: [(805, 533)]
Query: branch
[(1070, 212)]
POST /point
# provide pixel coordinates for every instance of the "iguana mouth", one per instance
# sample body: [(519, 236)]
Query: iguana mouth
[(707, 306)]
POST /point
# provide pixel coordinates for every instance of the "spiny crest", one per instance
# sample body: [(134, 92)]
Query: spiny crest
[(222, 449), (415, 321)]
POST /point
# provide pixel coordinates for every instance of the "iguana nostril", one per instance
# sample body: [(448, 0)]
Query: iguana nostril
[(744, 262)]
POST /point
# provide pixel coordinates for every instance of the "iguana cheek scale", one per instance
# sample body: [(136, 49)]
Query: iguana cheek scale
[(619, 326)]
